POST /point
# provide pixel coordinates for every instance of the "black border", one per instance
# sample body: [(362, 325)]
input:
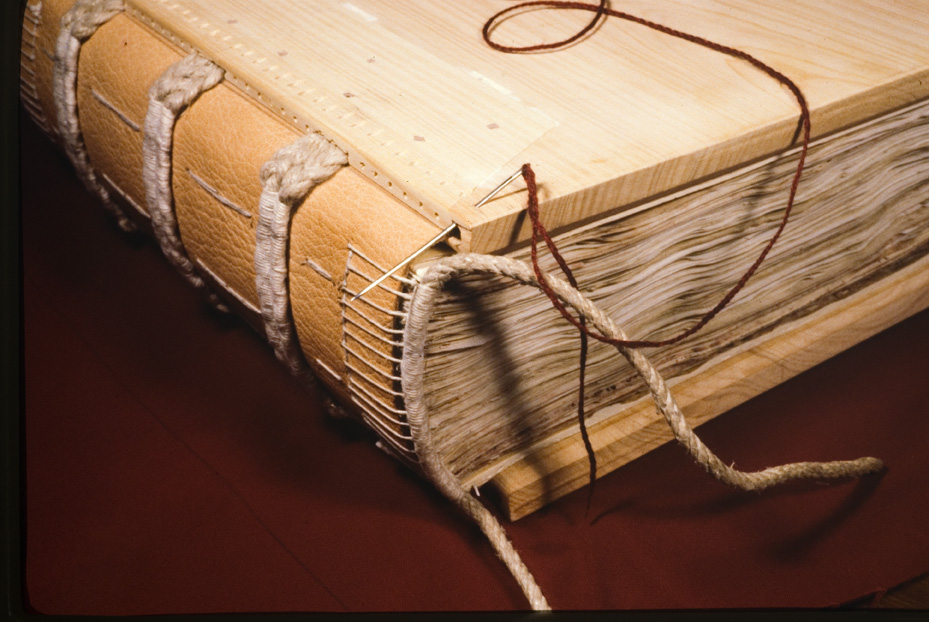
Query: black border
[(15, 605), (11, 310)]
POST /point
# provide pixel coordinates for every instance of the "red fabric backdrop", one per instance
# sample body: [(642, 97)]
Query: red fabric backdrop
[(172, 465)]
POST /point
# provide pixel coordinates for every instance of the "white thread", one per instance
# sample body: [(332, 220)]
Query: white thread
[(119, 113), (221, 284), (382, 285), (287, 178), (376, 370), (399, 453), (34, 109), (213, 192), (328, 370), (33, 12), (373, 393), (369, 320), (373, 305), (375, 420), (170, 94), (27, 88), (28, 94), (318, 269), (343, 309), (385, 340), (383, 329), (373, 349), (380, 388), (380, 269), (387, 410), (435, 468), (128, 199), (77, 25), (377, 266)]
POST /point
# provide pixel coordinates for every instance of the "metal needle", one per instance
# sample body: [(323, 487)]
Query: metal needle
[(506, 182), (438, 238), (422, 249)]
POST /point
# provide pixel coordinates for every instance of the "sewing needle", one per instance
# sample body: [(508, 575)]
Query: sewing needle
[(438, 238), (422, 249), (506, 182)]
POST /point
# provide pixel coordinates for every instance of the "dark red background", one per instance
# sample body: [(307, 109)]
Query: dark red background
[(172, 465)]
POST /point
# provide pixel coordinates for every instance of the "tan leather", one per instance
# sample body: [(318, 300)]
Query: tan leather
[(119, 66), (49, 14), (346, 209), (223, 139)]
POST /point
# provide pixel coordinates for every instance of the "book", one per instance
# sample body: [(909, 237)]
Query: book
[(350, 514), (662, 189)]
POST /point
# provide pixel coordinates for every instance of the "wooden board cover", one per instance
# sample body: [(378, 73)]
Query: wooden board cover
[(425, 108)]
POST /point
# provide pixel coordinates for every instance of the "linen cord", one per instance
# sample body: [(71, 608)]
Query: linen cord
[(77, 25), (412, 373), (174, 90), (287, 178)]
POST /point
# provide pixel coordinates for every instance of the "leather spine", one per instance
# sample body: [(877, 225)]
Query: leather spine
[(342, 233)]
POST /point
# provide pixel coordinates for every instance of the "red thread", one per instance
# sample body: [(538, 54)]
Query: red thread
[(532, 207)]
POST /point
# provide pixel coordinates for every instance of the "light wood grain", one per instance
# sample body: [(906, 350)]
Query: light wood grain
[(435, 117), (501, 360), (723, 383)]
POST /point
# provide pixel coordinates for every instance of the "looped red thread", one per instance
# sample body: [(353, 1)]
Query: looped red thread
[(493, 21), (539, 231)]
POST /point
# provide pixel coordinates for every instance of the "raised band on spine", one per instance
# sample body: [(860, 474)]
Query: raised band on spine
[(174, 90), (287, 178), (77, 25)]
